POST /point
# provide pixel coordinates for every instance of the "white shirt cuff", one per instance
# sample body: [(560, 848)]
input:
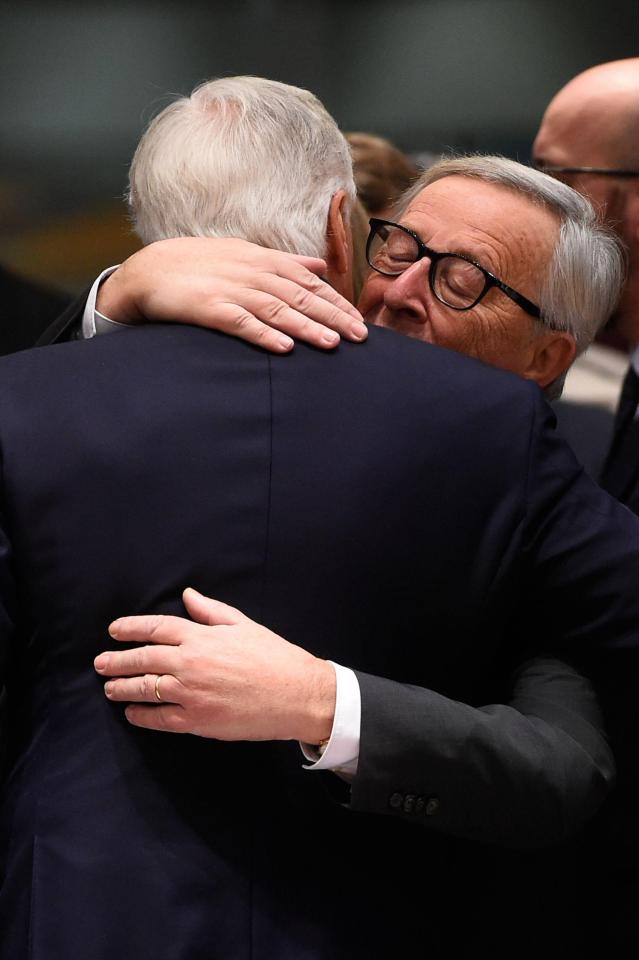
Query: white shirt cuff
[(95, 323), (342, 750)]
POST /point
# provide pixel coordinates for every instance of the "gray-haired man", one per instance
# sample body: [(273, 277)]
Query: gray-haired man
[(434, 579)]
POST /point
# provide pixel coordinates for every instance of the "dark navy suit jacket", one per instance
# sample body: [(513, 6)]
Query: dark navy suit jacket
[(396, 507)]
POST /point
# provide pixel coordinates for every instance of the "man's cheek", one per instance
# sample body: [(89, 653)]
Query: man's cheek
[(372, 295), (375, 316)]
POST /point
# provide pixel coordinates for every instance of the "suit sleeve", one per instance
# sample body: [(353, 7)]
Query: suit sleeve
[(525, 773), (7, 624), (68, 325), (533, 769)]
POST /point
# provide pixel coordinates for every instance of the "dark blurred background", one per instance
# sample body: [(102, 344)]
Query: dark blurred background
[(79, 82)]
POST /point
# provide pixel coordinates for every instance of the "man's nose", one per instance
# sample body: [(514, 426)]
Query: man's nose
[(410, 290)]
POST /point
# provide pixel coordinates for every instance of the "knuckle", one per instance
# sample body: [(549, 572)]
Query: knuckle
[(335, 318), (156, 622), (273, 310), (180, 690), (136, 662), (304, 300), (160, 718), (176, 720), (312, 282), (147, 686), (262, 335), (192, 662), (308, 326), (244, 322), (168, 688)]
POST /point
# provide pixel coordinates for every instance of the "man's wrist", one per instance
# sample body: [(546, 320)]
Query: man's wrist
[(320, 703), (115, 299), (342, 750)]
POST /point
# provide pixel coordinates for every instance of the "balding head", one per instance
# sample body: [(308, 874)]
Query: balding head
[(594, 122)]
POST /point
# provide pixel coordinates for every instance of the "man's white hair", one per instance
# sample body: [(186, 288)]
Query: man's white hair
[(587, 269), (241, 157)]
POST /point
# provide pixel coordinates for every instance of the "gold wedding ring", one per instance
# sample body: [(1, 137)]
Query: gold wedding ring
[(157, 689)]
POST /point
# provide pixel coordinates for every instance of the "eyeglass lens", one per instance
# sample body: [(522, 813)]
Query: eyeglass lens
[(455, 281)]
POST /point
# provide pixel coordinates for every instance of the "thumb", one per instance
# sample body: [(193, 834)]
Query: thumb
[(211, 612)]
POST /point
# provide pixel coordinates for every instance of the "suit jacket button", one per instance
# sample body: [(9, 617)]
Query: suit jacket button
[(432, 806), (409, 803), (420, 803), (395, 800)]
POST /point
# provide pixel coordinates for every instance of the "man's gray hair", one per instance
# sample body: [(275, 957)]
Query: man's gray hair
[(586, 272), (241, 157)]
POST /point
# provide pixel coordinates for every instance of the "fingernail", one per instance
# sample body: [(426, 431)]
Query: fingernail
[(108, 689), (101, 663), (113, 628), (359, 331), (286, 343), (330, 337)]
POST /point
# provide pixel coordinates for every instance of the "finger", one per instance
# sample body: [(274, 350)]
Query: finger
[(211, 612), (240, 321), (149, 628), (145, 689), (314, 315), (274, 311), (314, 264), (133, 663), (169, 717), (316, 285)]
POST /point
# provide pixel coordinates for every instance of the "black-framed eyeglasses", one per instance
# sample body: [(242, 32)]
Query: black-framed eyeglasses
[(454, 279), (597, 171)]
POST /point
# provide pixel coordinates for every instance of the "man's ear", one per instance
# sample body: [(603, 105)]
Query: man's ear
[(630, 225), (552, 353), (338, 234)]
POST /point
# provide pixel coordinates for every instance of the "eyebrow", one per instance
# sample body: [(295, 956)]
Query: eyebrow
[(459, 251)]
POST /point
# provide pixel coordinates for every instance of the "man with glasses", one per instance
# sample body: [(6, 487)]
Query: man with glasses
[(398, 507), (484, 219), (551, 244), (589, 139), (439, 276)]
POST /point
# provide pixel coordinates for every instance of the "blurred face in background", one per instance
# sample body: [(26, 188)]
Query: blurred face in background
[(593, 122)]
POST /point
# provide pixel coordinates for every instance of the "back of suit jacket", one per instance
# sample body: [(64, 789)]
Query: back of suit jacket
[(394, 507)]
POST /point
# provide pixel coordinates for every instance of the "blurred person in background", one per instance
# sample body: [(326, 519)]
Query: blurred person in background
[(382, 172), (589, 138), (27, 310)]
